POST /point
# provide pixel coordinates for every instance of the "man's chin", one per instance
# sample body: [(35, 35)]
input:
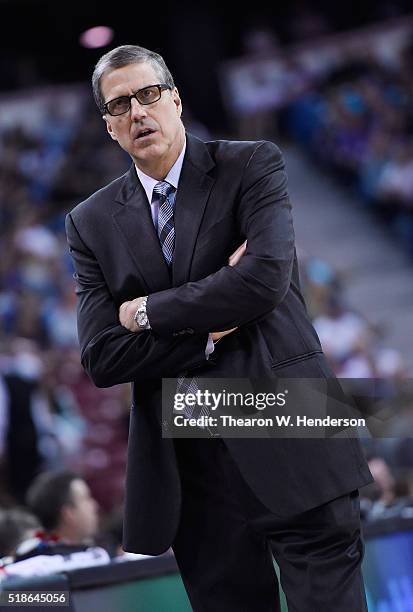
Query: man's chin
[(147, 147), (148, 151)]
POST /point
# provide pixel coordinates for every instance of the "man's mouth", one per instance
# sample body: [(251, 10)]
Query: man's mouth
[(144, 133)]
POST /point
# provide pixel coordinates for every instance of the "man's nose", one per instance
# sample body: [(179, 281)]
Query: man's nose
[(137, 111)]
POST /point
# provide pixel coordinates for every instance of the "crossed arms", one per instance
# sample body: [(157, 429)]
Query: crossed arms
[(231, 297), (128, 309)]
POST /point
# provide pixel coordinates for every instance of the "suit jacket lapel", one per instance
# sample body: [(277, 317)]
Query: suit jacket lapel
[(134, 221), (193, 191)]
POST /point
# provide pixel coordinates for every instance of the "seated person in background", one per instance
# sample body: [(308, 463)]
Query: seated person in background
[(67, 512), (386, 497), (16, 526)]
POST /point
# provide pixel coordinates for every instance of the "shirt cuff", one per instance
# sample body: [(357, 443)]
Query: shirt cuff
[(209, 347)]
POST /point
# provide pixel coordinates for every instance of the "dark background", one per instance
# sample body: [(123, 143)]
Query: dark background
[(40, 39)]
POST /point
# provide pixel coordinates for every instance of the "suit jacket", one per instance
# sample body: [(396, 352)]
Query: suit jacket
[(228, 191)]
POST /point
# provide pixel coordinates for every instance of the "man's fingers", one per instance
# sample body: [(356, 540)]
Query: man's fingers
[(236, 255), (218, 335), (127, 312), (240, 249), (126, 317), (123, 306)]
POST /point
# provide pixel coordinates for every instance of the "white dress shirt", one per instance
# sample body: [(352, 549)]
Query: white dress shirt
[(148, 183)]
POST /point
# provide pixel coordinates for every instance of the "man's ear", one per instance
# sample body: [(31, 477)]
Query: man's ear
[(109, 128), (177, 101)]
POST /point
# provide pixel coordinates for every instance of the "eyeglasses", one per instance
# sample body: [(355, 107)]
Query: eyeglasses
[(146, 95)]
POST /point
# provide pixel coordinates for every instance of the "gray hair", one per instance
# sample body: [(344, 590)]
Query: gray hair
[(124, 56)]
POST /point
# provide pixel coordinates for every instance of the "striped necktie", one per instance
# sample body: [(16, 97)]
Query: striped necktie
[(165, 192)]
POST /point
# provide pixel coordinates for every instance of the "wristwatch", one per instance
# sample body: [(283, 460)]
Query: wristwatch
[(141, 318)]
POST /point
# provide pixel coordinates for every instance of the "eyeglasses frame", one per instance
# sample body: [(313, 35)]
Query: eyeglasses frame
[(161, 87)]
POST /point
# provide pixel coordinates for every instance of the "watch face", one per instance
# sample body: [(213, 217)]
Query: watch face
[(142, 318)]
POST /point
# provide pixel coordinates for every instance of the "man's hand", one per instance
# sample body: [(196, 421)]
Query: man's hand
[(232, 261), (127, 312)]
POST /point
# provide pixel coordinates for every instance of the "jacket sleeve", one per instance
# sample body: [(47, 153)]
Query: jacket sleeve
[(234, 296), (110, 353)]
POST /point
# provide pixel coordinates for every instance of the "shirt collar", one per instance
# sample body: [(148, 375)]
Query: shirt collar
[(148, 183)]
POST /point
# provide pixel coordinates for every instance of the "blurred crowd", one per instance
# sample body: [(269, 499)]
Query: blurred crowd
[(354, 347), (357, 351), (357, 122), (51, 416)]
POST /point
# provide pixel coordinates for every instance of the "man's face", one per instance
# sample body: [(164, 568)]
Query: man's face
[(163, 116), (82, 513)]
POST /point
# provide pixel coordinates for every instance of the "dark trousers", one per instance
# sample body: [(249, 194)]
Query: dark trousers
[(226, 539)]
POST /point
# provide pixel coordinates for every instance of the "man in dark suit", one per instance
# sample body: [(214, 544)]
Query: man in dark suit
[(157, 297)]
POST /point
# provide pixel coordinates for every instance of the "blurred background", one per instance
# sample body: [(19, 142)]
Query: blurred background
[(332, 85)]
